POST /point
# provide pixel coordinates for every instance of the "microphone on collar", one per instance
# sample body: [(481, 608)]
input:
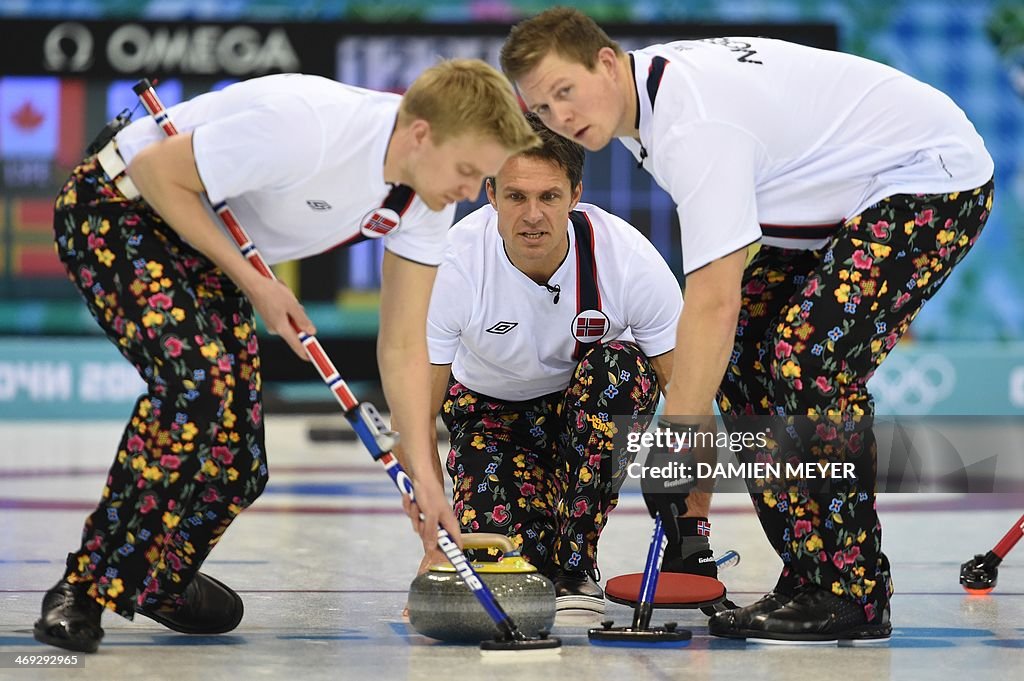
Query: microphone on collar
[(556, 289), (643, 155)]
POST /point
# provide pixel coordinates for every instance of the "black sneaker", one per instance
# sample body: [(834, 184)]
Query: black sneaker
[(71, 619), (735, 623), (210, 607), (578, 590), (816, 615)]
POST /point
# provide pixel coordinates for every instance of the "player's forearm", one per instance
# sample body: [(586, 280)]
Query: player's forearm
[(705, 335), (663, 369), (402, 357), (182, 207), (439, 375), (405, 376), (704, 342)]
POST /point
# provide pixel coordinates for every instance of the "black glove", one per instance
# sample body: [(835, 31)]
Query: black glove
[(669, 473)]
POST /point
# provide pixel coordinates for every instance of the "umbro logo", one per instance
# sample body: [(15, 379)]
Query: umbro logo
[(501, 328), (317, 204)]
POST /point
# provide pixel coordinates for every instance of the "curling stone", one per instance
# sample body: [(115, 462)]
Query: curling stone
[(441, 606)]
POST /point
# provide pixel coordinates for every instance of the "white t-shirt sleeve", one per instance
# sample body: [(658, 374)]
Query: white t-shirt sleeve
[(274, 144), (450, 303), (653, 301), (709, 170), (422, 235)]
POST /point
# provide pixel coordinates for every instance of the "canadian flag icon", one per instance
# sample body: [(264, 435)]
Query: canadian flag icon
[(29, 113)]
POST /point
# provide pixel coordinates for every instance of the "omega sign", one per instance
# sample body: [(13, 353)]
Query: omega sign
[(198, 49)]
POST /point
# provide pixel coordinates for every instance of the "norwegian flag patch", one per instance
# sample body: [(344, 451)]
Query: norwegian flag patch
[(704, 528), (380, 222), (590, 326)]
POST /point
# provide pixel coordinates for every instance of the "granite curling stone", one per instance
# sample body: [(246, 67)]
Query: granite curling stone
[(441, 606)]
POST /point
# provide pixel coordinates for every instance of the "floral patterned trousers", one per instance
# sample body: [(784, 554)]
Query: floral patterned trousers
[(192, 455), (546, 472), (813, 327)]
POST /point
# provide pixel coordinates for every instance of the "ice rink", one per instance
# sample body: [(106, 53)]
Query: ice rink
[(324, 559)]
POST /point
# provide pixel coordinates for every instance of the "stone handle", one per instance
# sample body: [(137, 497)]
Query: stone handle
[(486, 540)]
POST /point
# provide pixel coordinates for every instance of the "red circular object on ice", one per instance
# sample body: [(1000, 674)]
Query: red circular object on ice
[(674, 590)]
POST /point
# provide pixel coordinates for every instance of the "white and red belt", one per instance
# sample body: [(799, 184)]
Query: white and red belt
[(109, 159)]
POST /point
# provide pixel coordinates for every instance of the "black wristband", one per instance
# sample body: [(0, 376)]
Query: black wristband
[(665, 424)]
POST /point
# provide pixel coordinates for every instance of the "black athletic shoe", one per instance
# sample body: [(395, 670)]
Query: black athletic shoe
[(578, 590), (735, 623), (71, 619), (210, 607), (816, 615)]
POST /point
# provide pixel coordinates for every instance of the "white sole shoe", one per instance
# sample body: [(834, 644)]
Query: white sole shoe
[(582, 604)]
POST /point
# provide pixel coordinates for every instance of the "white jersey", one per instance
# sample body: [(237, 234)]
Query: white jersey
[(757, 138), (300, 161), (507, 337)]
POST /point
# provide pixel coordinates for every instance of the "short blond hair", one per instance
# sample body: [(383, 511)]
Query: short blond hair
[(566, 31), (460, 96)]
